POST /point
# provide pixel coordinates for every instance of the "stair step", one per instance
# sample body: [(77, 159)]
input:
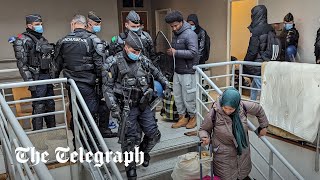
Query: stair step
[(159, 169)]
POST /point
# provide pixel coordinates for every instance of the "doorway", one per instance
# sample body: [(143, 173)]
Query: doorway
[(161, 25), (239, 32)]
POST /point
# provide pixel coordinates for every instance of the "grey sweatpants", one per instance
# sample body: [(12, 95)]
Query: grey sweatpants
[(184, 91)]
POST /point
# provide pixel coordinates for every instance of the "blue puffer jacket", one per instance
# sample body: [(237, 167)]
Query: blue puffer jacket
[(185, 41)]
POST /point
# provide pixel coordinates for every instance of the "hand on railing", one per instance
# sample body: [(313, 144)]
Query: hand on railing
[(261, 132)]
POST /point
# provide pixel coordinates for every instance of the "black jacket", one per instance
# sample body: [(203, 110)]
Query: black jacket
[(317, 45), (80, 55), (201, 37), (288, 38), (259, 29), (185, 41)]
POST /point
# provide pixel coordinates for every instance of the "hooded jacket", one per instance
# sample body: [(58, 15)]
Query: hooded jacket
[(185, 41), (317, 45), (201, 37), (259, 29)]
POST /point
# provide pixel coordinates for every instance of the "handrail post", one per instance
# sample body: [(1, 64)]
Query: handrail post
[(240, 78), (271, 165), (41, 169), (76, 133), (197, 102)]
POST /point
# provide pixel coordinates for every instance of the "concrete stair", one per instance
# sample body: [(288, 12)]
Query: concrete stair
[(173, 143)]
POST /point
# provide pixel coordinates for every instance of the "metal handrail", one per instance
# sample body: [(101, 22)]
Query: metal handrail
[(40, 168), (273, 150), (90, 119)]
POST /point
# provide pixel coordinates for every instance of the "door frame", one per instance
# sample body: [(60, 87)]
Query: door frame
[(157, 22)]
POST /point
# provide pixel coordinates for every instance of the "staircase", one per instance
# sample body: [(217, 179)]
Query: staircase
[(164, 155)]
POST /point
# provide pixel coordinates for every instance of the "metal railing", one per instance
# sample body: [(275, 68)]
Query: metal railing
[(13, 135), (200, 105), (79, 131)]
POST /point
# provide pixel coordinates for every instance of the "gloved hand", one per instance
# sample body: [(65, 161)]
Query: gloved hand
[(115, 112), (32, 88)]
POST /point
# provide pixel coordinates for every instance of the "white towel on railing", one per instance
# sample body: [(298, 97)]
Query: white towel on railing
[(290, 97)]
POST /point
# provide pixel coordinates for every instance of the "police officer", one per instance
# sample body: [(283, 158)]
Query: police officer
[(94, 26), (133, 23), (34, 55), (80, 55), (127, 79)]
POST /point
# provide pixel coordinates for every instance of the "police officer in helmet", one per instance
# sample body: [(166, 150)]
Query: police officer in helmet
[(79, 55), (34, 55), (133, 23), (94, 26), (128, 81)]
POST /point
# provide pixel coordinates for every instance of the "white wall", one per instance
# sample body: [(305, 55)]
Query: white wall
[(56, 16), (306, 14)]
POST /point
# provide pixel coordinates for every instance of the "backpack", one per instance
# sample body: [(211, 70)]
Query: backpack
[(206, 47), (273, 46)]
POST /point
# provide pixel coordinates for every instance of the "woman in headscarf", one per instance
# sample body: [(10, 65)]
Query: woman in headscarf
[(226, 126)]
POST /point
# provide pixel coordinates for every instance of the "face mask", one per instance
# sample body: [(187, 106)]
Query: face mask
[(288, 26), (133, 56), (38, 29), (193, 28), (96, 29), (135, 29)]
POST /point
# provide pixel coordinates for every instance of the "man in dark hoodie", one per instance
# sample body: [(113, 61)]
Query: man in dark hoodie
[(203, 51), (185, 50), (257, 50), (289, 39)]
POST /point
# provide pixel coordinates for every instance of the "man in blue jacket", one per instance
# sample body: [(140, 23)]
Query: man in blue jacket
[(185, 49)]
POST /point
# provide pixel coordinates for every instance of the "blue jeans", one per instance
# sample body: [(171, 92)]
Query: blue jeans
[(256, 83), (291, 53)]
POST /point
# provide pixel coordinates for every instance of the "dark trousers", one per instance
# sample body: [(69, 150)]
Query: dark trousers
[(43, 106), (91, 99)]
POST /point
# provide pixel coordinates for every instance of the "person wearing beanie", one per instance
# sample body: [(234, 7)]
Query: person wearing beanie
[(203, 41), (289, 39), (103, 116), (133, 23), (34, 64), (79, 55), (128, 90), (185, 50)]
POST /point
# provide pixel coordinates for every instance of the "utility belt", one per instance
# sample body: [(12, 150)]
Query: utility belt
[(42, 63), (36, 71), (84, 67)]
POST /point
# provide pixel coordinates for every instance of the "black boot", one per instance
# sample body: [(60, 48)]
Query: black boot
[(146, 146), (131, 173), (128, 145), (50, 121), (146, 160)]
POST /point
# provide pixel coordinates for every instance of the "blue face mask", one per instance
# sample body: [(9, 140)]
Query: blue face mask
[(288, 26), (133, 56), (193, 28), (38, 29), (96, 29), (135, 29)]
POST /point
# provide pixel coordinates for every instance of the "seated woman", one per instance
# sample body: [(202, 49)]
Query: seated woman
[(226, 127)]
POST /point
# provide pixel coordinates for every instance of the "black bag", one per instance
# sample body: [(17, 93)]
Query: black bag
[(273, 47), (207, 47)]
